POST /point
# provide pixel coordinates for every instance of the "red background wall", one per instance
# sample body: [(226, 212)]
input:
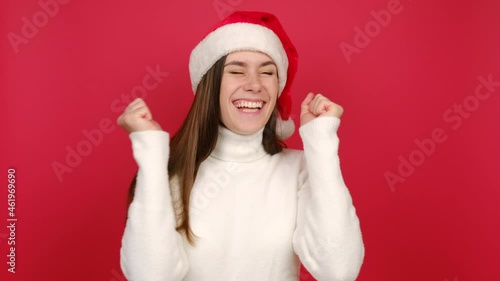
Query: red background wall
[(415, 78)]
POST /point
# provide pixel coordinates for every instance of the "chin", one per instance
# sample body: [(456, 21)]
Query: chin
[(246, 124), (247, 130)]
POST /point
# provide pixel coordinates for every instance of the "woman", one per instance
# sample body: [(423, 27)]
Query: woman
[(223, 199)]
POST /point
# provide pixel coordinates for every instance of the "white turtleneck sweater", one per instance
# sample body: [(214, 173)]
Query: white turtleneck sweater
[(257, 215)]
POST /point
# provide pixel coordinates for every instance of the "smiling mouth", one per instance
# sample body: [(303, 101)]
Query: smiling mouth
[(249, 106)]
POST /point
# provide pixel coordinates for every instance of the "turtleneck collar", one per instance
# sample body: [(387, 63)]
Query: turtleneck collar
[(234, 147)]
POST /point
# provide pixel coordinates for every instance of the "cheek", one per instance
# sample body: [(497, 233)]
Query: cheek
[(276, 86), (224, 92), (275, 101), (226, 88), (271, 85), (273, 91)]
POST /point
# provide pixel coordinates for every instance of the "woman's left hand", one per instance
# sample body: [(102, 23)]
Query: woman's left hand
[(317, 105)]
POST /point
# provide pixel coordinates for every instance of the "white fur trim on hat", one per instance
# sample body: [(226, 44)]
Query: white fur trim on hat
[(237, 37), (284, 128)]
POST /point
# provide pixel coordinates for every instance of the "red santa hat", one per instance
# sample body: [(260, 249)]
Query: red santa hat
[(251, 31)]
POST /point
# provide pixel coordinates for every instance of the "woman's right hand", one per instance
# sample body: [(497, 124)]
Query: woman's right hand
[(137, 117)]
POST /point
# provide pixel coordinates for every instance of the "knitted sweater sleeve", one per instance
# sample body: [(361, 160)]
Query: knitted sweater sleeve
[(327, 237), (152, 250)]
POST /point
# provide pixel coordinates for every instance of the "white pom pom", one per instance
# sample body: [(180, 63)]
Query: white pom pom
[(284, 128)]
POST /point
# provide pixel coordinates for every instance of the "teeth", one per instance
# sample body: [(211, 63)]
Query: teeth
[(249, 109), (249, 104)]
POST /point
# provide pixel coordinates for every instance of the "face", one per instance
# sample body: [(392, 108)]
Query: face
[(249, 90)]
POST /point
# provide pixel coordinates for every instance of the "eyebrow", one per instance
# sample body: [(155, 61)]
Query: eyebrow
[(243, 64)]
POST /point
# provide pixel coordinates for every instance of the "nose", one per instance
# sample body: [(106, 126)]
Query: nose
[(252, 83)]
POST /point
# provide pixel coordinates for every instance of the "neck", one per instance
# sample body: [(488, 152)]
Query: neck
[(234, 147)]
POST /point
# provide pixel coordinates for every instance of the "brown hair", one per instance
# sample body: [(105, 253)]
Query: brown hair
[(196, 139)]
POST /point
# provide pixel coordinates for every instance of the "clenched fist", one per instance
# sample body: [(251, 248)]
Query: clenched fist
[(137, 117), (318, 105)]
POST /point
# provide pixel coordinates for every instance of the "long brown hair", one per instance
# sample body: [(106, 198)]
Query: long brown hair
[(196, 139)]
